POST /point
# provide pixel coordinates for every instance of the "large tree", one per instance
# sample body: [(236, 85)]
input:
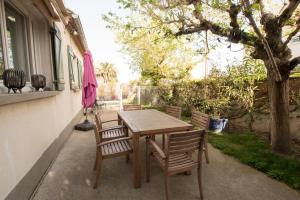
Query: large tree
[(265, 26), (157, 58)]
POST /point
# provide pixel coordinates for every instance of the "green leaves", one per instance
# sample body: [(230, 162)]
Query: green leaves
[(215, 94), (152, 48), (126, 3), (128, 26), (255, 6)]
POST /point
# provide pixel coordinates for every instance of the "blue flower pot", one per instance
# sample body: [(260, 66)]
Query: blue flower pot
[(217, 125)]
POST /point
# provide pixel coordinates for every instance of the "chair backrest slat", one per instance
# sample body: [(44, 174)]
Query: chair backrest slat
[(128, 107), (98, 128), (184, 146), (174, 111), (184, 142), (200, 119), (185, 150)]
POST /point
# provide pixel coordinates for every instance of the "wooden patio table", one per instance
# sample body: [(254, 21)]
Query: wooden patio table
[(148, 123)]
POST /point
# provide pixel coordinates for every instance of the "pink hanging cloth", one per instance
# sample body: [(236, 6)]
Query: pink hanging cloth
[(89, 82)]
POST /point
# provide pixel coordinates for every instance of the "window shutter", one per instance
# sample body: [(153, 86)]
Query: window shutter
[(58, 70), (79, 65), (70, 64)]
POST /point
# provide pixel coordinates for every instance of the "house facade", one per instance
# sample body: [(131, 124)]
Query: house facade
[(37, 37)]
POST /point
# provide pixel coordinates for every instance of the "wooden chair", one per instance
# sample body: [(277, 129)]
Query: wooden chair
[(119, 146), (176, 158), (174, 111), (201, 120), (128, 107), (109, 133)]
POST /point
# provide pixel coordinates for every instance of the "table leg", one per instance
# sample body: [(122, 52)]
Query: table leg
[(136, 161), (126, 134), (119, 120), (190, 155)]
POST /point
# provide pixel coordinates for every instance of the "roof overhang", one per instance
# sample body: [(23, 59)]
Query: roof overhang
[(47, 9), (74, 27), (55, 10)]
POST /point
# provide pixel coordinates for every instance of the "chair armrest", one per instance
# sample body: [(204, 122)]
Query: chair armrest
[(113, 120), (111, 128), (158, 149), (115, 140)]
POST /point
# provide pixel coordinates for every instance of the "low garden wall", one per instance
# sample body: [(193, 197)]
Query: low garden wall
[(259, 121)]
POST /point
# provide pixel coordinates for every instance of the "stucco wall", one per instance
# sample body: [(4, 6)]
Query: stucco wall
[(27, 129)]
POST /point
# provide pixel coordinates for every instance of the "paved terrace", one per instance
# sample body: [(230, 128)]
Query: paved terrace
[(71, 178)]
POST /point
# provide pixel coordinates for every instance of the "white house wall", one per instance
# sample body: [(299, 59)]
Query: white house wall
[(27, 129)]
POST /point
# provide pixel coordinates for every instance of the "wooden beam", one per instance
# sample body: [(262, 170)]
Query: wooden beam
[(46, 10), (51, 9)]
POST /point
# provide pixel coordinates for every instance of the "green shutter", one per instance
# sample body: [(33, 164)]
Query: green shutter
[(79, 66), (70, 65), (58, 81)]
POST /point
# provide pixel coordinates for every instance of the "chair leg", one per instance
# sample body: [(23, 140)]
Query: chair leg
[(167, 187), (96, 160), (148, 154), (98, 172), (163, 141), (206, 149), (188, 173), (153, 137), (127, 158), (200, 182), (200, 153)]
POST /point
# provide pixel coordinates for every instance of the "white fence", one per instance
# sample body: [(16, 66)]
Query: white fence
[(114, 96)]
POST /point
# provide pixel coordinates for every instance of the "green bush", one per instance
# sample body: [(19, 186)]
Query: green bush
[(215, 94)]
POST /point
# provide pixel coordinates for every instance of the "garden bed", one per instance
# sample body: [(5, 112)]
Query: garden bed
[(255, 152)]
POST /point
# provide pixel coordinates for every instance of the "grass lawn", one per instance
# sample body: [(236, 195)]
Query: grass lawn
[(254, 151)]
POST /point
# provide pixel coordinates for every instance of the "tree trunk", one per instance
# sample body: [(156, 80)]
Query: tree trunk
[(279, 113)]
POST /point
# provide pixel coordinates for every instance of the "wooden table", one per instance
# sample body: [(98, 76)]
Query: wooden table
[(147, 123)]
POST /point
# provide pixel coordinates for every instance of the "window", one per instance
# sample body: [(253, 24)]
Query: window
[(57, 59), (16, 39), (25, 43)]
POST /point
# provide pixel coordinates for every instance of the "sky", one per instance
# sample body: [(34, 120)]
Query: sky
[(101, 41), (104, 48)]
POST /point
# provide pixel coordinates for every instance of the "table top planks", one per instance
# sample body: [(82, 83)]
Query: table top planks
[(149, 122)]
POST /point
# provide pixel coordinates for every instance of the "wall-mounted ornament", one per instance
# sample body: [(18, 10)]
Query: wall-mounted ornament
[(38, 81), (14, 79)]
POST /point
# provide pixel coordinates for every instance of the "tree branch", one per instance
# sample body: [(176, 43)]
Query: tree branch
[(288, 12), (292, 34), (174, 5), (262, 7), (197, 11), (243, 37), (248, 14), (233, 11), (294, 63)]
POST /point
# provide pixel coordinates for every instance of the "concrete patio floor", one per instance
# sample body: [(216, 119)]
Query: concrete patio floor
[(71, 177)]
